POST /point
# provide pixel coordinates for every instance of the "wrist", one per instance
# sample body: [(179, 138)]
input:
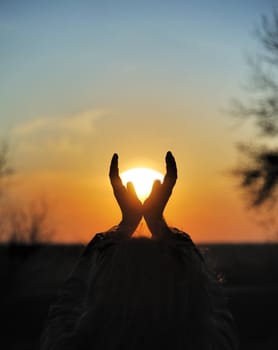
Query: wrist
[(127, 228), (158, 227)]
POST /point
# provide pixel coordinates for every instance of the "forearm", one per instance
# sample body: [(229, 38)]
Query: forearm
[(161, 230), (158, 227), (123, 230)]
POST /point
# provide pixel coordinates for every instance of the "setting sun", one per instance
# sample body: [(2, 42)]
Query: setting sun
[(142, 179)]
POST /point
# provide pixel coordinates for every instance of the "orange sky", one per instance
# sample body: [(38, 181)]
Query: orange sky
[(81, 203)]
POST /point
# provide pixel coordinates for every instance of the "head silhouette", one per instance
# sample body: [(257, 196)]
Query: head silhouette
[(147, 294)]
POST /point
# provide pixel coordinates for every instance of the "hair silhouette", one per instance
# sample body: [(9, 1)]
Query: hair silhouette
[(150, 294)]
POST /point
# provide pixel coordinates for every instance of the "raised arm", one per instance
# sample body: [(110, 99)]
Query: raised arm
[(64, 315), (155, 204), (221, 324), (130, 205)]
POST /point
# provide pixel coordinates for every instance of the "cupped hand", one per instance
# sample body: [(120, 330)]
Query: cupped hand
[(130, 205), (154, 205)]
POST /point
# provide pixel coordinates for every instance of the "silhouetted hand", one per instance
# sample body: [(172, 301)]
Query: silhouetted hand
[(130, 205), (154, 205)]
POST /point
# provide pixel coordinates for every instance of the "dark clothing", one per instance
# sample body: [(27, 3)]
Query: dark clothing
[(73, 312)]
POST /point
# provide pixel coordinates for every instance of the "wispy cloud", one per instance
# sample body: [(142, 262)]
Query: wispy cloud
[(78, 124), (52, 141)]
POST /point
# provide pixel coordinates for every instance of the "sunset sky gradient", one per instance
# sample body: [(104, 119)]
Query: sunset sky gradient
[(81, 80)]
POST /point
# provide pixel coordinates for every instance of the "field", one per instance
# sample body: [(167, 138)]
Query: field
[(30, 276)]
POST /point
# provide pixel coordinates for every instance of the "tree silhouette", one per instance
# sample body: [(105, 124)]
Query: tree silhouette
[(20, 223), (29, 225), (5, 168), (259, 174)]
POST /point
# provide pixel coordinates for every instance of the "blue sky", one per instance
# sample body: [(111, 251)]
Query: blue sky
[(59, 55)]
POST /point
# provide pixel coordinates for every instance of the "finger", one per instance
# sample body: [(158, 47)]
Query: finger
[(115, 179), (114, 170), (171, 170), (171, 166)]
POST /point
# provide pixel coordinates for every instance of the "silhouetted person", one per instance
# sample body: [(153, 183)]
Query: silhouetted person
[(127, 293)]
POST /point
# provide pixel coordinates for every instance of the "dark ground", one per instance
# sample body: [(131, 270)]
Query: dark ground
[(30, 276)]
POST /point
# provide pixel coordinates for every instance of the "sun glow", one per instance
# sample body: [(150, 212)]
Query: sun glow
[(142, 179)]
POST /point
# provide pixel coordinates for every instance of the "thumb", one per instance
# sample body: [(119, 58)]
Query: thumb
[(155, 188), (131, 189)]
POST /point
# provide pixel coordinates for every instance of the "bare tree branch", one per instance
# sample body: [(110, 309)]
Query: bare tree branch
[(5, 169), (259, 175), (20, 224)]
